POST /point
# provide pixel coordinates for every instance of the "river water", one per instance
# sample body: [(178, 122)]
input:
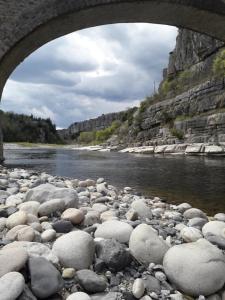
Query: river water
[(199, 181)]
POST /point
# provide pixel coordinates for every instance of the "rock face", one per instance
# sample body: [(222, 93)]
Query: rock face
[(99, 123), (75, 249), (191, 48), (146, 246), (195, 268)]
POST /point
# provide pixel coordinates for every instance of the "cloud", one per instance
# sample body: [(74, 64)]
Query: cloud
[(90, 72)]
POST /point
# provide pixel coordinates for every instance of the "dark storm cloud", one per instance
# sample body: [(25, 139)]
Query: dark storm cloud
[(90, 72)]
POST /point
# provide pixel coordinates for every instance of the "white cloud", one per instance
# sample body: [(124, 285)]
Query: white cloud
[(90, 72)]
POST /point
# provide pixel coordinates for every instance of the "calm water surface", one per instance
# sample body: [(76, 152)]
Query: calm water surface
[(197, 180)]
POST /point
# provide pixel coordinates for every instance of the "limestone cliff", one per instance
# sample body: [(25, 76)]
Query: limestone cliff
[(95, 124), (189, 106)]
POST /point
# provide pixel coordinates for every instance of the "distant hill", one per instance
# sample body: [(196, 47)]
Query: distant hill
[(23, 128)]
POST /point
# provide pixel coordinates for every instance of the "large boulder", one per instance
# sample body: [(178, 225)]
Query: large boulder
[(45, 278), (195, 268), (146, 246), (75, 250), (46, 192), (114, 229)]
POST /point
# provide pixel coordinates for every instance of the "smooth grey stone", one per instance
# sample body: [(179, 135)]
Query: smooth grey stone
[(107, 296), (27, 294), (142, 209), (152, 284), (75, 250), (12, 260), (90, 281), (62, 226), (216, 240), (114, 254), (220, 217), (45, 278), (196, 268), (146, 246), (197, 222), (46, 192), (194, 213), (114, 229), (11, 286)]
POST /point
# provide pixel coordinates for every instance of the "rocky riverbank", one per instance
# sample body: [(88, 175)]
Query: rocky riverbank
[(179, 149), (86, 240)]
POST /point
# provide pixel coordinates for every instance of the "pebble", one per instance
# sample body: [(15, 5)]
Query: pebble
[(68, 273), (75, 216), (141, 209), (18, 218), (194, 213), (78, 296), (191, 234), (53, 221), (115, 255), (90, 281), (220, 217), (214, 228), (114, 229), (21, 233), (48, 235), (138, 288)]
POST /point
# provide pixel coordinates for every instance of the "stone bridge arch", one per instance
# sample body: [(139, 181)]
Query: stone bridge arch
[(26, 25)]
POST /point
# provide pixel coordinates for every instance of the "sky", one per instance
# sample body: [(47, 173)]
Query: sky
[(90, 72)]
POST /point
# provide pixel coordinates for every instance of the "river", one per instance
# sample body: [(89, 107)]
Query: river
[(199, 181)]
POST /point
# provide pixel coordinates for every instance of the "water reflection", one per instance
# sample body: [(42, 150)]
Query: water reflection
[(197, 180)]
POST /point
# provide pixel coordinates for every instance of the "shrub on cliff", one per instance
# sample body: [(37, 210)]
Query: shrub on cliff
[(219, 64)]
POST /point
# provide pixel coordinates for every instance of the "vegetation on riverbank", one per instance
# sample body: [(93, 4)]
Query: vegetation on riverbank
[(28, 129), (99, 136)]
